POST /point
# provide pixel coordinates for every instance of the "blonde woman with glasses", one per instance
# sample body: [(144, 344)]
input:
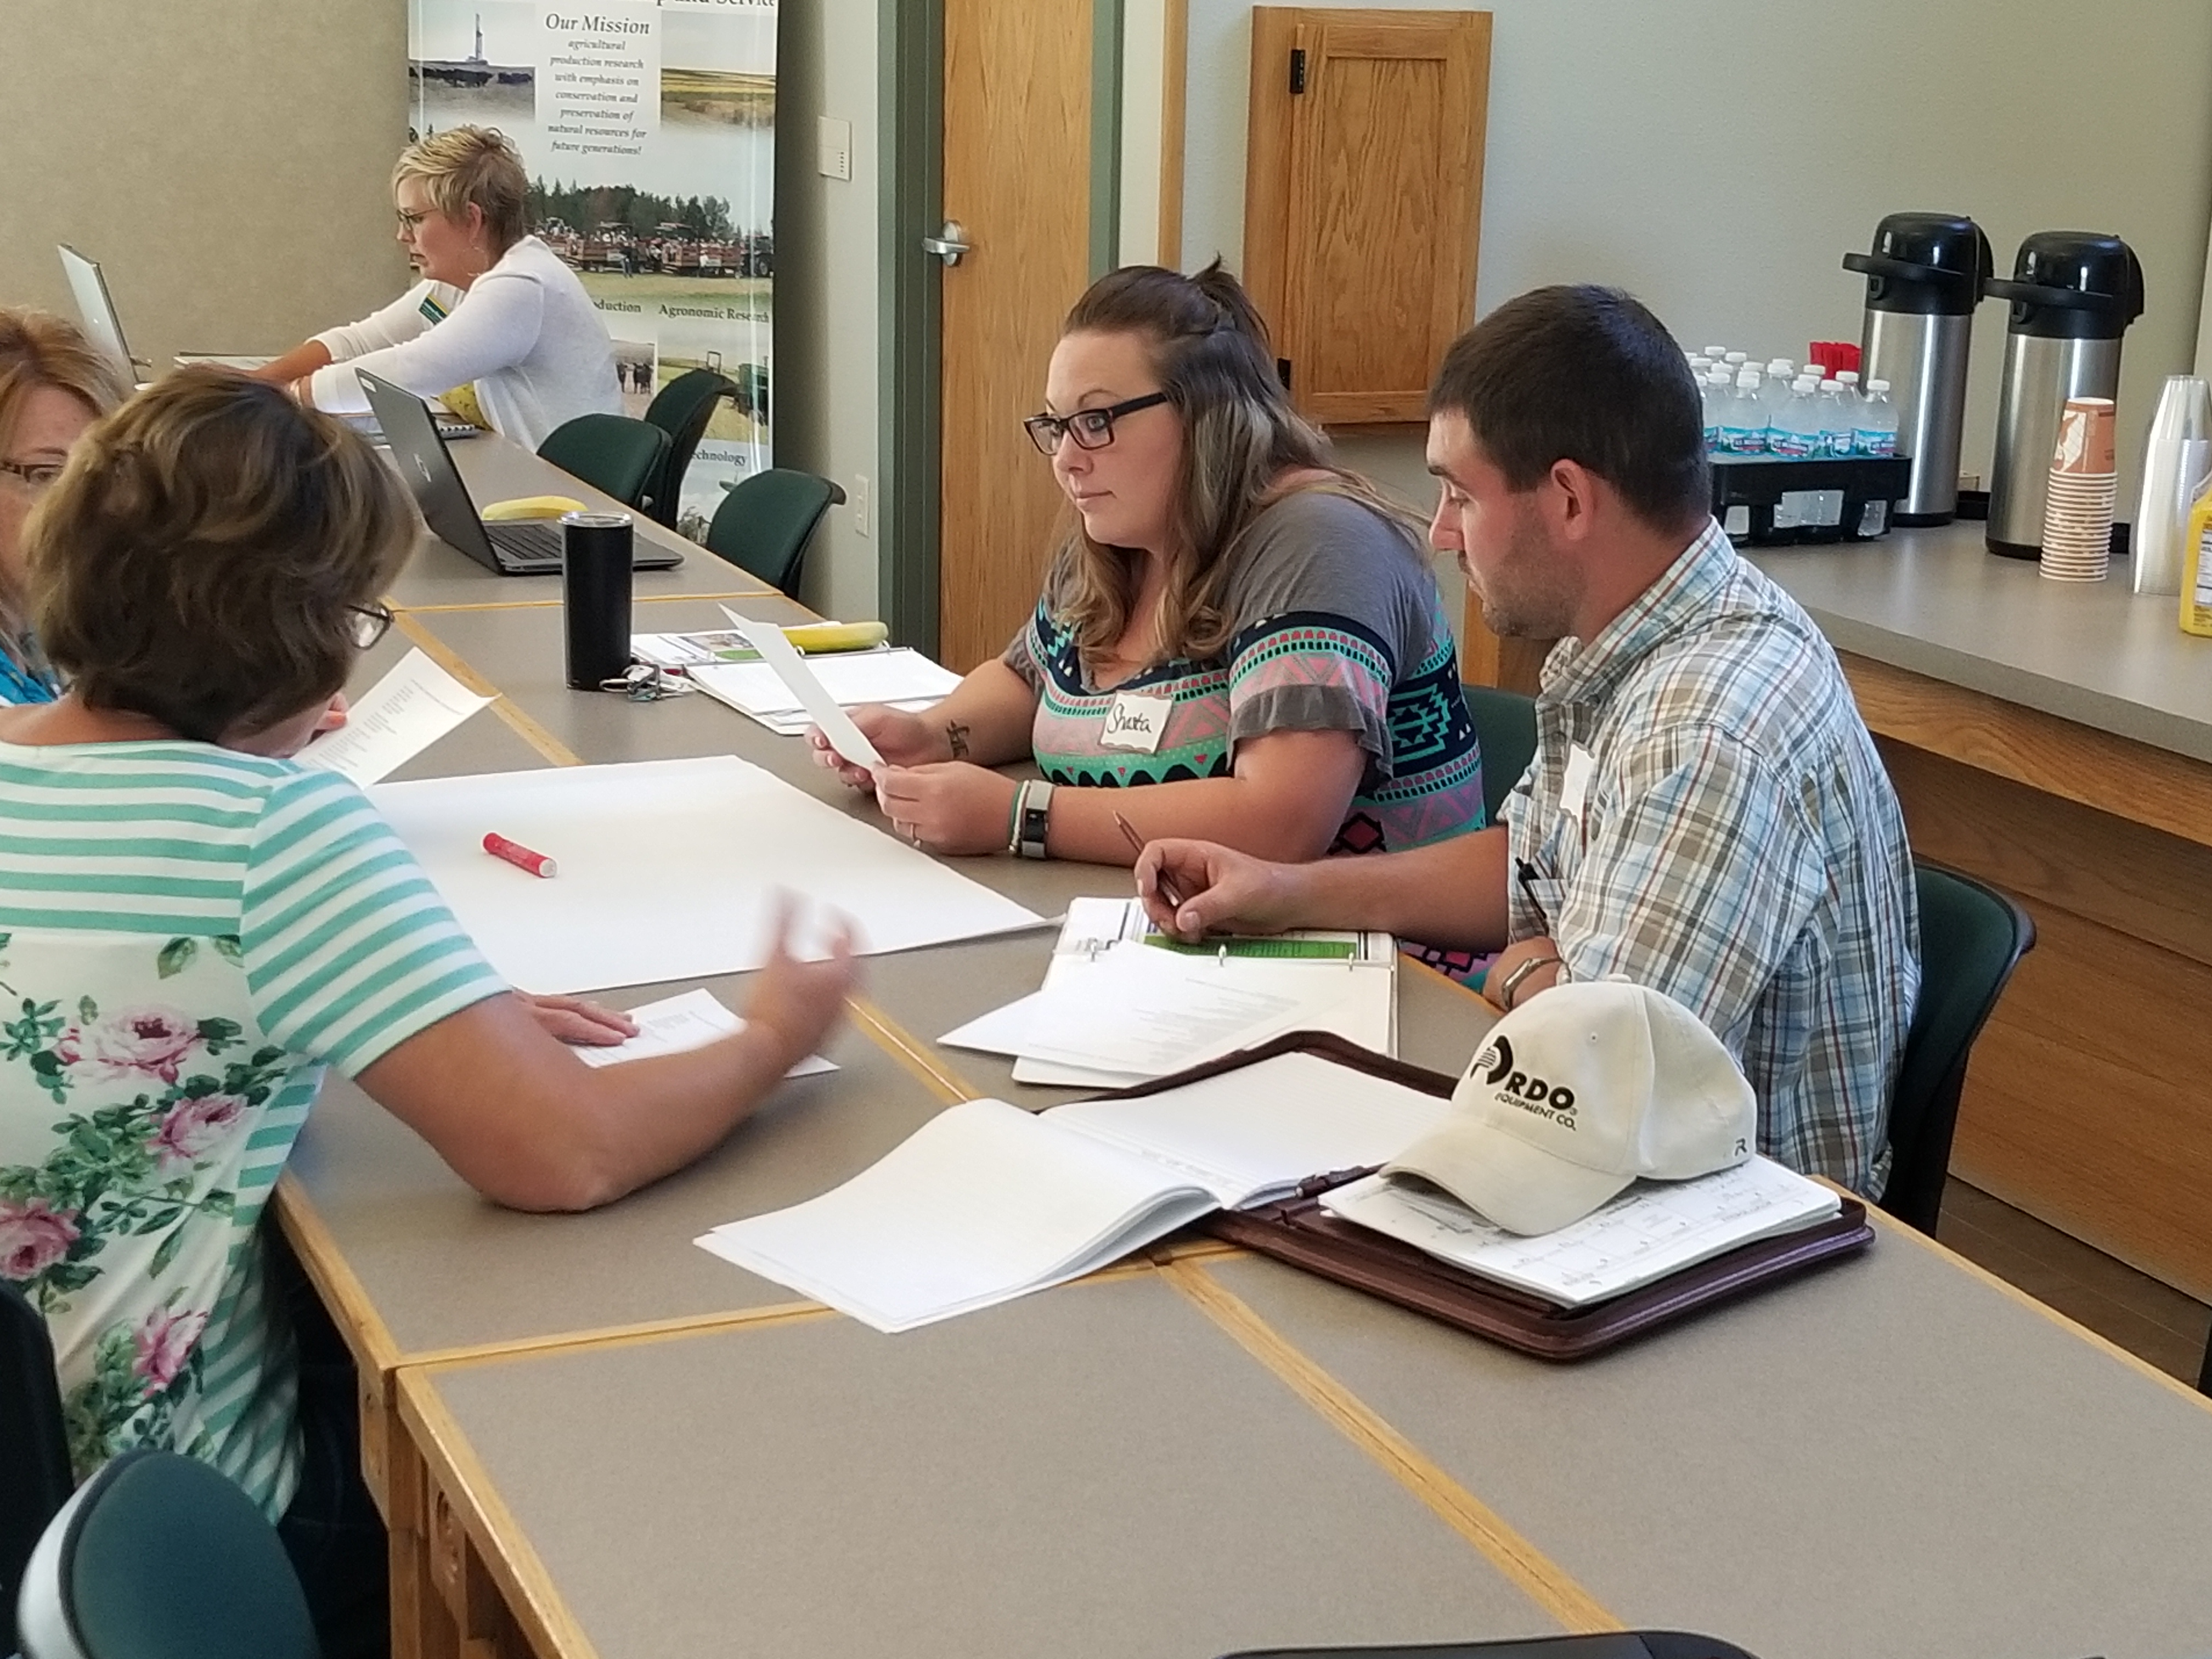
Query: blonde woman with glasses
[(1235, 633), (497, 319), (54, 383)]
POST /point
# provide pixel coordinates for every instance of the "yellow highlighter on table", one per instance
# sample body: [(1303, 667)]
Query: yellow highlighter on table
[(814, 638)]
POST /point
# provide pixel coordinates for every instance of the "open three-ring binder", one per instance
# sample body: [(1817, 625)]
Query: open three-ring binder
[(1298, 1230)]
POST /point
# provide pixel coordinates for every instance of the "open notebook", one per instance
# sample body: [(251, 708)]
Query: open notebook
[(987, 1202)]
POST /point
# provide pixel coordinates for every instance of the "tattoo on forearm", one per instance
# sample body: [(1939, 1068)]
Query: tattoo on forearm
[(956, 734)]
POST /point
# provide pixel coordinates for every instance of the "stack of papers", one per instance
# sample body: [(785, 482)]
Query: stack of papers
[(676, 1023), (403, 714), (1120, 1004), (901, 677), (985, 1202), (1654, 1229)]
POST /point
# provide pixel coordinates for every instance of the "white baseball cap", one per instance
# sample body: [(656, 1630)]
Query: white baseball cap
[(1579, 1092)]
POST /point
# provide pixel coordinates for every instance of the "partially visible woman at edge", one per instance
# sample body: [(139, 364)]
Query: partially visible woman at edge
[(1232, 619), (196, 928), (497, 321), (54, 383)]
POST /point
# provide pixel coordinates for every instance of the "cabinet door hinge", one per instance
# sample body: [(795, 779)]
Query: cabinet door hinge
[(1297, 71)]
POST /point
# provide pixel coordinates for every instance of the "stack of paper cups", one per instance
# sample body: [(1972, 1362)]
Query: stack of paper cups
[(2078, 514), (2175, 468)]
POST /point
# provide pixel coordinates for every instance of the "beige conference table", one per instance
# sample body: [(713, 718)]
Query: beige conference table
[(606, 1446)]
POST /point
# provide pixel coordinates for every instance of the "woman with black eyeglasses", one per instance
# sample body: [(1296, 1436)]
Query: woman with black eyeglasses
[(54, 383), (194, 928), (1231, 620)]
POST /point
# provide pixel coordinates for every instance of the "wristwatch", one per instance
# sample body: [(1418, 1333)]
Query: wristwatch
[(1036, 815)]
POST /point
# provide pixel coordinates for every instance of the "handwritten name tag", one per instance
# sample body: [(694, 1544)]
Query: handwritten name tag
[(1136, 722)]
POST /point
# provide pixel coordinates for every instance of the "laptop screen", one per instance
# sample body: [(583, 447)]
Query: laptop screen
[(419, 454), (90, 288)]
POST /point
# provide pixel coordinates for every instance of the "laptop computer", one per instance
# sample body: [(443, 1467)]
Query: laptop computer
[(530, 547), (93, 306)]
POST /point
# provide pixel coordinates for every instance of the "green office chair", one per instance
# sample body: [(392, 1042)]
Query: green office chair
[(1972, 937), (160, 1557), (33, 1447), (682, 410), (1607, 1644), (1505, 724), (611, 452), (764, 524)]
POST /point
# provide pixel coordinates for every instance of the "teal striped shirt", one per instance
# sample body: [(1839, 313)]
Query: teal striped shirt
[(188, 936)]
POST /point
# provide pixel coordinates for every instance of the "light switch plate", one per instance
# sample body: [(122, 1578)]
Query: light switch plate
[(834, 138)]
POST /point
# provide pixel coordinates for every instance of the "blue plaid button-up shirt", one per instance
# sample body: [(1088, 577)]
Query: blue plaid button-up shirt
[(1737, 845)]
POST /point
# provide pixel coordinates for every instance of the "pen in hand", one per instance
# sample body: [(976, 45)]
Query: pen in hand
[(1137, 841)]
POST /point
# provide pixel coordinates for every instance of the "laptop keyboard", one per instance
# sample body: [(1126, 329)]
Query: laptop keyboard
[(535, 541)]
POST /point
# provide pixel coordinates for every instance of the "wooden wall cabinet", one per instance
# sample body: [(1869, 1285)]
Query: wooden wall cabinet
[(1363, 203)]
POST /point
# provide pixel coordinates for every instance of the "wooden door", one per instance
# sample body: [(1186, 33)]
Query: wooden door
[(1363, 199), (1017, 180)]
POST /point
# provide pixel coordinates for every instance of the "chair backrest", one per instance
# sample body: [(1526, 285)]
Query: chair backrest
[(682, 410), (767, 521), (1971, 938), (160, 1557), (611, 452), (1505, 723), (34, 1468), (1605, 1644)]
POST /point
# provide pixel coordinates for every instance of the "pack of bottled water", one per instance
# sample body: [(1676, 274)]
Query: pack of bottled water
[(1784, 413)]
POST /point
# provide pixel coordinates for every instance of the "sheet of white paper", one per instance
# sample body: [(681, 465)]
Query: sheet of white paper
[(982, 1203), (1255, 1133), (848, 677), (795, 722), (674, 1023), (790, 668), (1654, 1229), (1137, 1010), (1141, 1013), (403, 714), (670, 869)]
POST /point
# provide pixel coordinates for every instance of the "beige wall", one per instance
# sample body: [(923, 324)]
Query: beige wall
[(826, 289), (1720, 156), (227, 161)]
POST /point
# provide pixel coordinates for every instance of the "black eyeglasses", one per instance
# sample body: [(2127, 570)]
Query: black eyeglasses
[(1091, 428), (369, 623)]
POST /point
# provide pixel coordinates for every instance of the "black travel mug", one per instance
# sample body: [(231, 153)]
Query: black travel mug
[(595, 564)]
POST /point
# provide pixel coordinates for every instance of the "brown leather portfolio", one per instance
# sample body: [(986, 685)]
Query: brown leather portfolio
[(1297, 1230)]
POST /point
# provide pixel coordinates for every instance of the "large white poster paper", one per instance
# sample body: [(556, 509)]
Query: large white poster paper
[(669, 871)]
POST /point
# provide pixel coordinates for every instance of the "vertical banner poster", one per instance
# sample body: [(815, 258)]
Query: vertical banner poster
[(648, 132)]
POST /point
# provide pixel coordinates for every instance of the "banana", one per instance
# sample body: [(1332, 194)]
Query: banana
[(836, 636), (531, 507)]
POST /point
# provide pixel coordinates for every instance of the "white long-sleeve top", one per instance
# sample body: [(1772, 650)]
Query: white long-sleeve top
[(524, 333)]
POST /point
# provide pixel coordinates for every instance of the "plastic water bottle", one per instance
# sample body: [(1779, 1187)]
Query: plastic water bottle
[(1737, 362), (1743, 417), (1713, 392), (1797, 438), (1717, 353), (1874, 423), (1774, 392), (1825, 509)]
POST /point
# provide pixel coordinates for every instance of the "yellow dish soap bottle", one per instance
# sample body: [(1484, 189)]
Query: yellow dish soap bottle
[(2196, 571)]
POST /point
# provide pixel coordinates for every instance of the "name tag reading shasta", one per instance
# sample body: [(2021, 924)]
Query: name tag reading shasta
[(1137, 722)]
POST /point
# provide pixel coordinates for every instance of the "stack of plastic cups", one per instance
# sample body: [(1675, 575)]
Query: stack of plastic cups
[(2077, 515), (2176, 465)]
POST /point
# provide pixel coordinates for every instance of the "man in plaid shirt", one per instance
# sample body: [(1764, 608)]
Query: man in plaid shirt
[(1705, 813)]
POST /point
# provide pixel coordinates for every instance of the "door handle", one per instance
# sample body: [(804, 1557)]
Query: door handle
[(949, 244)]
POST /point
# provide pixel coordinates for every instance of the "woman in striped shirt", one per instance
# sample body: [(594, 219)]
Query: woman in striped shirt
[(193, 927)]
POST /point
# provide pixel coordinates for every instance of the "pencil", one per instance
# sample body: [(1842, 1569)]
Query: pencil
[(1137, 841)]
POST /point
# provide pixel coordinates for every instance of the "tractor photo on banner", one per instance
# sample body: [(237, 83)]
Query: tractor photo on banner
[(648, 132)]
